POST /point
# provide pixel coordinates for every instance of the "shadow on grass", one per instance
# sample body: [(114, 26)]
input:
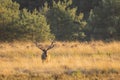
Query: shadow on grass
[(92, 74)]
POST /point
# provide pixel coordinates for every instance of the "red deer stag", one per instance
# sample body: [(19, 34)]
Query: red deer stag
[(45, 56)]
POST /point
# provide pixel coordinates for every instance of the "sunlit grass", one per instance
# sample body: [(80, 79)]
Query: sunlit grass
[(24, 57)]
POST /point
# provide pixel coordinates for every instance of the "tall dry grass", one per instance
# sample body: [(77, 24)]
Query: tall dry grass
[(24, 57)]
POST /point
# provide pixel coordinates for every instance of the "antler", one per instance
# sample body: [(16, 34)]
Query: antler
[(42, 48), (51, 46), (39, 46)]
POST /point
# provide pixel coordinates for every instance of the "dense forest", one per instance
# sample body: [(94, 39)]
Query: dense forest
[(62, 20)]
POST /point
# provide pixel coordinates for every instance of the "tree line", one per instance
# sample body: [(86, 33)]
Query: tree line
[(63, 20)]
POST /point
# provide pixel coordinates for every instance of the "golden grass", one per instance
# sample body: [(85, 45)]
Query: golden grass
[(24, 57)]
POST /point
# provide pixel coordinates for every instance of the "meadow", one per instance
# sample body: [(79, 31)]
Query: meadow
[(95, 60)]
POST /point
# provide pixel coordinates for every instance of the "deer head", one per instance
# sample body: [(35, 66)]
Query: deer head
[(44, 55)]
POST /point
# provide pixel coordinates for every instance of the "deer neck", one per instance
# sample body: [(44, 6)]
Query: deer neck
[(45, 52)]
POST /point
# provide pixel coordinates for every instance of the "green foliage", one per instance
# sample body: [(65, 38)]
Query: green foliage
[(62, 19), (34, 26), (8, 16), (22, 25), (103, 22), (64, 22), (84, 6)]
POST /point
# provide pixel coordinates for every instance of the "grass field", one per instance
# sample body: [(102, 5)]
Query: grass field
[(69, 61)]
